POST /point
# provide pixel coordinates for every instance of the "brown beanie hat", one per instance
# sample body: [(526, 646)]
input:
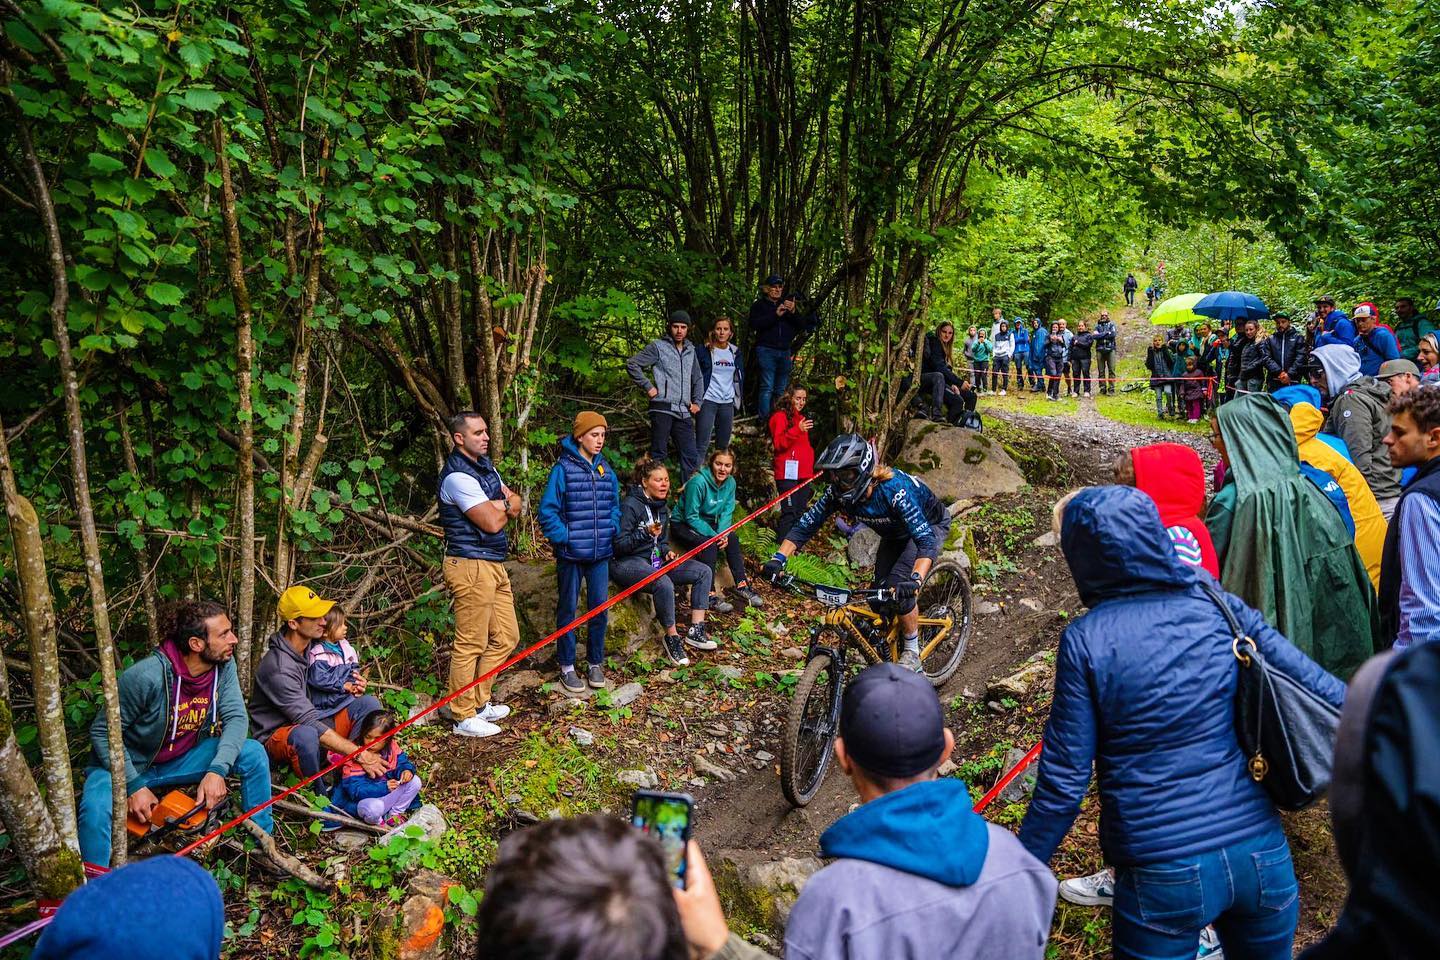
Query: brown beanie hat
[(585, 421)]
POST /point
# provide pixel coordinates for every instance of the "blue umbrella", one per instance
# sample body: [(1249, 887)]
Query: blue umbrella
[(1232, 305)]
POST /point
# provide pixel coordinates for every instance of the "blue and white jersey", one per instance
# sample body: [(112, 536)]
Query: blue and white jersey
[(900, 508)]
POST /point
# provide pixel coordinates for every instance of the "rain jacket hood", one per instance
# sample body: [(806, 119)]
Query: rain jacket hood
[(1370, 524), (1173, 476), (1341, 365), (1285, 550), (1111, 554)]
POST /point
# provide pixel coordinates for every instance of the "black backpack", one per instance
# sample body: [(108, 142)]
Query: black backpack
[(970, 420)]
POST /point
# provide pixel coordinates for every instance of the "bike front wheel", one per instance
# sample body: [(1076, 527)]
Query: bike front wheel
[(810, 730), (944, 597)]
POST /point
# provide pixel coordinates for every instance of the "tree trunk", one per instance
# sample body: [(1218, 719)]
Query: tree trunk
[(54, 869), (244, 364), (142, 552), (80, 474), (38, 608)]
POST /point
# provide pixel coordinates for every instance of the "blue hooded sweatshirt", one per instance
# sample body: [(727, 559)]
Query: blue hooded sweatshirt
[(920, 875), (115, 917), (1287, 397)]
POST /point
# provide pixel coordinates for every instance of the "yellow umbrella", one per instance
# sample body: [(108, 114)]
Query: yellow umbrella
[(1177, 311)]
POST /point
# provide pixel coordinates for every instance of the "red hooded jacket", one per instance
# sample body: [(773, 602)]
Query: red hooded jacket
[(1172, 475)]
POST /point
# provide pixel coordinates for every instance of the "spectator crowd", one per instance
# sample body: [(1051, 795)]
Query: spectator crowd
[(1320, 539)]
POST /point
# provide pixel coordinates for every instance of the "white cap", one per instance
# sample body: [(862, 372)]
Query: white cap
[(1363, 311)]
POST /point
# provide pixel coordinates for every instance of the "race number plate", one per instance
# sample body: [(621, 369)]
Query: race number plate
[(834, 598)]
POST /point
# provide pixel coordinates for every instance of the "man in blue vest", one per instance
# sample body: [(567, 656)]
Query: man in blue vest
[(475, 506), (1410, 565)]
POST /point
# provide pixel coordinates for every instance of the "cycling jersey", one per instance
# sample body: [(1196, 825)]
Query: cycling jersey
[(900, 508)]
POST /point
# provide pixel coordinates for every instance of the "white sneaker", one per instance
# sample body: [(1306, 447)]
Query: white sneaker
[(1209, 948), (476, 726), (493, 712), (1002, 393), (1096, 890)]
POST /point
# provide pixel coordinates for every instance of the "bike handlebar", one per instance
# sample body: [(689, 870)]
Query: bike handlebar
[(835, 596)]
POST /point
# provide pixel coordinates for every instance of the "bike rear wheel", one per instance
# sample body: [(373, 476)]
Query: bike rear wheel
[(809, 731), (945, 595)]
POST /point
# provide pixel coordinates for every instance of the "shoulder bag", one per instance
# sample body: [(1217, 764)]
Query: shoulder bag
[(1286, 732)]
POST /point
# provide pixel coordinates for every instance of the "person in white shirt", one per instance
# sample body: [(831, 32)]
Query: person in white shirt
[(723, 372)]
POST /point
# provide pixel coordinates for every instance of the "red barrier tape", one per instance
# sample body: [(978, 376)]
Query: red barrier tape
[(37, 925), (1013, 772)]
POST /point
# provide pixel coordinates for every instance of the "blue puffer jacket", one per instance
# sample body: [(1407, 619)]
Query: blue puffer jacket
[(1144, 690), (463, 538), (580, 509)]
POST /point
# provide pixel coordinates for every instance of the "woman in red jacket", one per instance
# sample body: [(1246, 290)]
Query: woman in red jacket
[(794, 458)]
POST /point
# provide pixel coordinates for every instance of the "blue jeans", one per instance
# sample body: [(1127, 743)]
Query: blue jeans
[(568, 574), (715, 420), (775, 368), (252, 768), (1248, 890)]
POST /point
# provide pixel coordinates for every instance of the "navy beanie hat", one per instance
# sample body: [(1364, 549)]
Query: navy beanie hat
[(892, 722), (165, 907)]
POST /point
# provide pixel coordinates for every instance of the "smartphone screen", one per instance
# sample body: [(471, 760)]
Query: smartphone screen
[(665, 816)]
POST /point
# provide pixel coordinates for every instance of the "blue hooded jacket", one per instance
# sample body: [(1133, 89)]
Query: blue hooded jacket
[(1144, 690), (1287, 397), (919, 874), (115, 916), (1337, 328), (580, 509)]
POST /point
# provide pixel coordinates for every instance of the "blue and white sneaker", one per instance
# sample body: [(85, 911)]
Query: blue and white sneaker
[(1209, 948)]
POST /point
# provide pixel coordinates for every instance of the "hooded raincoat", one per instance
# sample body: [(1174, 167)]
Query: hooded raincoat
[(1370, 523), (1283, 548), (1172, 475), (1358, 416)]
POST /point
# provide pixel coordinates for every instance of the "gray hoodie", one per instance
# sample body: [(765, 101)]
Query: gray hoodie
[(919, 876), (280, 697), (1359, 415), (677, 376)]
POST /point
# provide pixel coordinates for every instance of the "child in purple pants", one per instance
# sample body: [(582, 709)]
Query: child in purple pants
[(386, 798)]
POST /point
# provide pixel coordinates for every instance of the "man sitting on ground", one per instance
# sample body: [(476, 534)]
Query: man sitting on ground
[(183, 717), (916, 872), (285, 720)]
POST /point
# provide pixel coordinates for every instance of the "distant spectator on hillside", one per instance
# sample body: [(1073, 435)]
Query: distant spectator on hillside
[(1408, 325), (1004, 342), (1105, 338), (1373, 342), (587, 888), (914, 872), (982, 353), (668, 370), (1284, 355), (1130, 286), (1331, 325), (1081, 347), (779, 321)]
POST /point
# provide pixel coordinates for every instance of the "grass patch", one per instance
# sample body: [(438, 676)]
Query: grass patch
[(1137, 407), (552, 774)]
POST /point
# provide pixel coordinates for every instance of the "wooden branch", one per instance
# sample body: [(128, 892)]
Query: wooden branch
[(284, 861), (350, 822)]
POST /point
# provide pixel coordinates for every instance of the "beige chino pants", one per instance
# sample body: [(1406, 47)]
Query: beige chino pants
[(486, 631)]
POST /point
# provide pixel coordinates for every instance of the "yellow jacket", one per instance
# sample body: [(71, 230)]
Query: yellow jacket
[(1364, 510)]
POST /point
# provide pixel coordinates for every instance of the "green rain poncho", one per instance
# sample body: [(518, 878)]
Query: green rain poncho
[(1282, 546)]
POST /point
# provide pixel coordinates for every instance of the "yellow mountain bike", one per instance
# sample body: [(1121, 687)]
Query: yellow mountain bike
[(850, 637)]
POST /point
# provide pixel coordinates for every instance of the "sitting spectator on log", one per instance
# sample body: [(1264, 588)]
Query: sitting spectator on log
[(183, 718)]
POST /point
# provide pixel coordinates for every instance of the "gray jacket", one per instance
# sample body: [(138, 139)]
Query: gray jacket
[(677, 376), (1360, 417), (280, 696)]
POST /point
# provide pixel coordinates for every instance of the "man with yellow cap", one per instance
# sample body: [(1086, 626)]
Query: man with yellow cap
[(281, 713)]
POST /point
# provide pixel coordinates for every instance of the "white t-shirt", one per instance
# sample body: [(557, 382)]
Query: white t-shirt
[(722, 375), (462, 490)]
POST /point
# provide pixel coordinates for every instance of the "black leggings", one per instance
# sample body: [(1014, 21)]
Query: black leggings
[(792, 506), (895, 561), (687, 536)]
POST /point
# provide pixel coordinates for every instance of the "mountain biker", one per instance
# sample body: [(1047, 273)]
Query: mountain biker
[(911, 521)]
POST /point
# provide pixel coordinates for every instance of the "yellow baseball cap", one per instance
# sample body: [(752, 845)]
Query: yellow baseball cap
[(303, 602)]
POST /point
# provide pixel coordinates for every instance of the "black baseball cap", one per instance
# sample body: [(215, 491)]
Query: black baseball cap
[(774, 280), (892, 721)]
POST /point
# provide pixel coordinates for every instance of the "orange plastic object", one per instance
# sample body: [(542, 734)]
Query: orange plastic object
[(173, 806)]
